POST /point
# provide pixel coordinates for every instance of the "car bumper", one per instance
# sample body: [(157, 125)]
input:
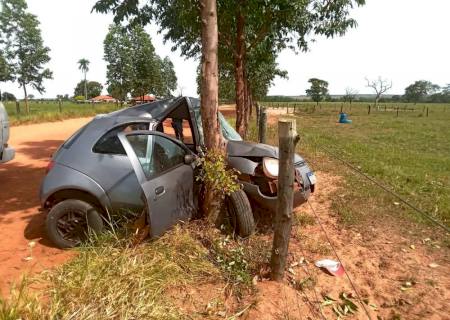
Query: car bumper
[(7, 154), (270, 203)]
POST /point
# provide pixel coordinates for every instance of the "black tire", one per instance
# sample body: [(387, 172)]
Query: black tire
[(240, 213), (71, 221)]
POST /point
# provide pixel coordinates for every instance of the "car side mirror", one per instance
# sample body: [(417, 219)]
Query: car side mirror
[(188, 159)]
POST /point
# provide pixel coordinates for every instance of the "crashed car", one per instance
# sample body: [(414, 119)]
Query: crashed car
[(144, 158)]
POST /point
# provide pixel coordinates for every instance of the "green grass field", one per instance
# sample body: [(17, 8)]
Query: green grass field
[(410, 152), (49, 111)]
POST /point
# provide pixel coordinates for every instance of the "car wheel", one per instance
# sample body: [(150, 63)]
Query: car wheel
[(70, 221), (240, 213)]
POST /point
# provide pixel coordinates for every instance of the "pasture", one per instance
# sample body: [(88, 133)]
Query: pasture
[(50, 111), (398, 144)]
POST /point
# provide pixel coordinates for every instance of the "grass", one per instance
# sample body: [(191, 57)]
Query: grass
[(110, 278), (409, 153), (49, 111)]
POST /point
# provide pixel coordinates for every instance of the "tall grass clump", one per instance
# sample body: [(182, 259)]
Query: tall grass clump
[(112, 279)]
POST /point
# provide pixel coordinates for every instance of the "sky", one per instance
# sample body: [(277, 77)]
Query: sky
[(399, 40)]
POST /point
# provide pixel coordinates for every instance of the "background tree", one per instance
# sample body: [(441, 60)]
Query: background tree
[(119, 69), (133, 66), (380, 86), (146, 67), (420, 89), (318, 90), (93, 89), (23, 46), (244, 26), (350, 95), (168, 77), (83, 65), (6, 96)]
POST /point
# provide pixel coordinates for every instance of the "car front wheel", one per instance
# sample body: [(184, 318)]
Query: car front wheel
[(240, 213), (70, 222)]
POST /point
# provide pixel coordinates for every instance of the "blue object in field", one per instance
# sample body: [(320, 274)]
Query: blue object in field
[(343, 118)]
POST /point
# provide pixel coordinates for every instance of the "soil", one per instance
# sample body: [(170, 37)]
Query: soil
[(21, 222), (390, 267)]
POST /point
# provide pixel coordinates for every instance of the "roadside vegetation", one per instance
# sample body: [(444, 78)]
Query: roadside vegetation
[(170, 278), (49, 111)]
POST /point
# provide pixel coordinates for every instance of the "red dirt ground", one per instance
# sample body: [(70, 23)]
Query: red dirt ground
[(20, 220)]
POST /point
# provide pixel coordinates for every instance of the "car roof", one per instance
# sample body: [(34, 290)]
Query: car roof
[(156, 110)]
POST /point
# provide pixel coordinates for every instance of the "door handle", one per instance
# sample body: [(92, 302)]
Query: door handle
[(159, 191)]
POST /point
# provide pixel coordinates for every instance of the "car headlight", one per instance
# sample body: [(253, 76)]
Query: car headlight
[(270, 167)]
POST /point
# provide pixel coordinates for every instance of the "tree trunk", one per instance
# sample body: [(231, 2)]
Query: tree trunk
[(27, 107), (239, 75), (85, 87), (210, 96)]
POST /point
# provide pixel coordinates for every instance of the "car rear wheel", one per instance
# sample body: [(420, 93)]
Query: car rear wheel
[(70, 222), (240, 213)]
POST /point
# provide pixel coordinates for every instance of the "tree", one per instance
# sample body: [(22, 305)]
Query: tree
[(24, 48), (133, 66), (5, 71), (6, 96), (350, 94), (380, 86), (88, 89), (318, 90), (245, 26), (168, 77), (119, 69), (146, 66), (420, 89), (83, 65)]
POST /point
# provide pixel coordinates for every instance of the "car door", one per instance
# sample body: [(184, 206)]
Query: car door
[(165, 172)]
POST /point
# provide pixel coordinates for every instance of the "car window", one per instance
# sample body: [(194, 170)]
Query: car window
[(110, 143), (156, 154), (228, 131)]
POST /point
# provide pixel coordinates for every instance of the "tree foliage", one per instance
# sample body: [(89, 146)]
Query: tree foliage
[(6, 96), (94, 89), (249, 30), (23, 47), (420, 89), (318, 90), (350, 94), (133, 67), (83, 65)]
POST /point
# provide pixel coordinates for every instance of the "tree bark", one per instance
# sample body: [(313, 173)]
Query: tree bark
[(85, 87), (27, 108), (239, 74), (285, 199), (210, 96)]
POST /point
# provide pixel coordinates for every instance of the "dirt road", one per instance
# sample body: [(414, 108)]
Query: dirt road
[(20, 220)]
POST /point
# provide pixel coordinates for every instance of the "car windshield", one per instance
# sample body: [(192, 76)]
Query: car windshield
[(228, 131)]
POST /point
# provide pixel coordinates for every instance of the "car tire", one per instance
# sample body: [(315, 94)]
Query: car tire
[(70, 222), (240, 213)]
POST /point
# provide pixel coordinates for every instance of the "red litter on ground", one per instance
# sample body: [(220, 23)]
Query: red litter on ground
[(334, 268)]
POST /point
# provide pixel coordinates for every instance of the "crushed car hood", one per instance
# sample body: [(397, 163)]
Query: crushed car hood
[(254, 150)]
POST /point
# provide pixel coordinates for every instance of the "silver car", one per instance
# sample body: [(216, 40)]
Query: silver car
[(143, 158), (6, 153)]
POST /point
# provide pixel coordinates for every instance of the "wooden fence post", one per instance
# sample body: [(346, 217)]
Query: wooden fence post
[(59, 106), (427, 112), (342, 107), (17, 107), (258, 114), (397, 111), (262, 125), (283, 217), (368, 109)]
